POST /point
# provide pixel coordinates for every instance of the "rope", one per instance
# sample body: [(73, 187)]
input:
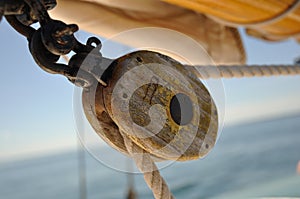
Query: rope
[(147, 166), (143, 159), (81, 171), (131, 194), (238, 71)]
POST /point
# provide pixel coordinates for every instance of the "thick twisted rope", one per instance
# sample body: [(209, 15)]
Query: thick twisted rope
[(147, 166), (143, 159), (238, 71)]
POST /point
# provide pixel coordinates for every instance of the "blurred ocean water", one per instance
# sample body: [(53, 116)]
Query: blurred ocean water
[(249, 161)]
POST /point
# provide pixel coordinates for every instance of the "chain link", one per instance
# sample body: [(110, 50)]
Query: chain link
[(55, 39), (52, 40)]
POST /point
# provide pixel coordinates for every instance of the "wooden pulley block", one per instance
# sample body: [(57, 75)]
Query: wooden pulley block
[(158, 103)]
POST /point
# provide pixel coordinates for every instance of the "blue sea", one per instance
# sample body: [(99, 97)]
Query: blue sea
[(249, 161)]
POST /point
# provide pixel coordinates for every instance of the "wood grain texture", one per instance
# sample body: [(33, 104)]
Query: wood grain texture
[(146, 117), (248, 12)]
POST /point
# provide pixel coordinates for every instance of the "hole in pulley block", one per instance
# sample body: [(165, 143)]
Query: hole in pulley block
[(181, 109)]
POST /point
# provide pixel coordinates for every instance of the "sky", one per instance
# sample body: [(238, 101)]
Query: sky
[(36, 107)]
